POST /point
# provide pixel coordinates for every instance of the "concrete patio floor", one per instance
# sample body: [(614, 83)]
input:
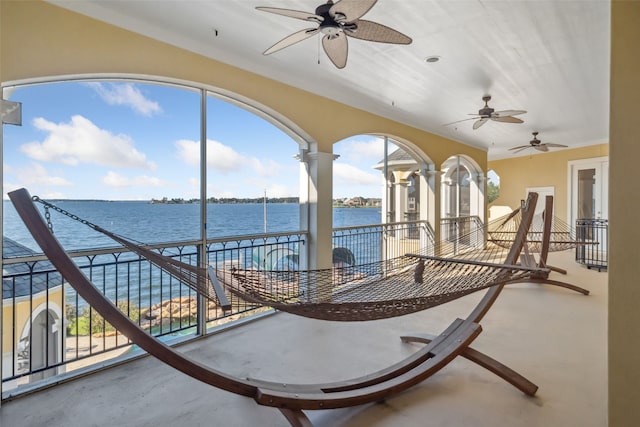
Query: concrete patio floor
[(555, 337)]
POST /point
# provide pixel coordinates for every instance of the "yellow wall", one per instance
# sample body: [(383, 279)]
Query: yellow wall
[(624, 208), (51, 41), (540, 170), (23, 310)]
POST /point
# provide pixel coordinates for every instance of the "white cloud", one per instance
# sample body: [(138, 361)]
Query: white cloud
[(345, 175), (114, 179), (128, 95), (36, 174), (81, 141), (358, 150), (266, 168), (36, 179), (225, 159)]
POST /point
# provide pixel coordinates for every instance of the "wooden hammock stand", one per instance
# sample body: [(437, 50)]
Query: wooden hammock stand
[(293, 399), (544, 246)]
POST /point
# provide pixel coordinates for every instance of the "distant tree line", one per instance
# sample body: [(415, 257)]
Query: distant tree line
[(226, 200)]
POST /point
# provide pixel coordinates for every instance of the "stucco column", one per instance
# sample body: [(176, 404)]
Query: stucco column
[(478, 192), (320, 209), (433, 179), (424, 194), (624, 204), (319, 217)]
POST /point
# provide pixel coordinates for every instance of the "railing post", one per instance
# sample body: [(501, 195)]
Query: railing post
[(201, 327)]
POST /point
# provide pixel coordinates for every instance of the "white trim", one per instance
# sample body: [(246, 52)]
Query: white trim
[(570, 167), (281, 122)]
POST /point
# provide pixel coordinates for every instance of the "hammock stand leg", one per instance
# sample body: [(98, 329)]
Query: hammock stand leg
[(296, 418), (544, 252), (546, 281), (487, 362)]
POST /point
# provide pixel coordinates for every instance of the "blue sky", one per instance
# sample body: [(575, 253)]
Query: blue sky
[(137, 141)]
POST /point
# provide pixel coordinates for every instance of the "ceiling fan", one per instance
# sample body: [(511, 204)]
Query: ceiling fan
[(537, 144), (336, 22), (487, 113)]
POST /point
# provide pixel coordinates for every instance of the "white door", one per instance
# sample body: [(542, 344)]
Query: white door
[(543, 192), (589, 187)]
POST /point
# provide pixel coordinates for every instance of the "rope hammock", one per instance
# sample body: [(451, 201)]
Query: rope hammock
[(378, 290), (562, 237)]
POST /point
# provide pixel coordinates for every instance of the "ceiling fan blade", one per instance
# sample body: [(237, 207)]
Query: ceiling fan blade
[(336, 48), (507, 119), (374, 32), (351, 9), (519, 149), (463, 120), (508, 113), (292, 39), (541, 147), (305, 16), (479, 123), (551, 144)]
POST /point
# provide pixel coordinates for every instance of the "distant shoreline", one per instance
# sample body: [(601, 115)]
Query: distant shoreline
[(366, 203)]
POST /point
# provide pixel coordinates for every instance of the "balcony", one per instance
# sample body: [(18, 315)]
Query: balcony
[(554, 337)]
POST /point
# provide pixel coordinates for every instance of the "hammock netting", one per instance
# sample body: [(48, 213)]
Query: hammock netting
[(393, 287), (562, 236)]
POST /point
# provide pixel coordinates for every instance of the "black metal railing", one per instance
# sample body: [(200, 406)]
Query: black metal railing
[(377, 242), (53, 331), (465, 232), (592, 235)]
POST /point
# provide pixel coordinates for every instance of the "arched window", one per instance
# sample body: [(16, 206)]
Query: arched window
[(462, 189), (141, 141), (458, 195), (413, 197), (391, 191)]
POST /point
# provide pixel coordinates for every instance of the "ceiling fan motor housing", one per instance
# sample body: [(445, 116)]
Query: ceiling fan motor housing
[(486, 112), (329, 25)]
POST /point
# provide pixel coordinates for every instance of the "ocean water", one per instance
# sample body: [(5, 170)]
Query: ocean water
[(160, 223)]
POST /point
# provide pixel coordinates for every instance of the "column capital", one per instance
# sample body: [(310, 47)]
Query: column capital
[(315, 155)]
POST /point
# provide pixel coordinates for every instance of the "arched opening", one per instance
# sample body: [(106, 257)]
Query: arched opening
[(493, 186), (129, 154), (403, 184), (462, 196), (458, 192), (462, 188), (131, 139), (40, 344)]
